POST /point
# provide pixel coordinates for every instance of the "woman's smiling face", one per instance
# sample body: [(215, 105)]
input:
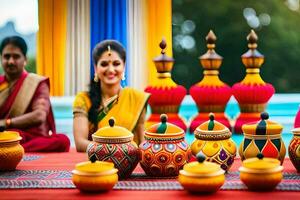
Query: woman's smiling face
[(110, 68)]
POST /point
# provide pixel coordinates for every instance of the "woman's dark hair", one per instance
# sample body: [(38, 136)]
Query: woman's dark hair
[(16, 41), (94, 92)]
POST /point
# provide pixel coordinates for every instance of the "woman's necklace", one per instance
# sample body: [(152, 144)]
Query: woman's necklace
[(108, 103)]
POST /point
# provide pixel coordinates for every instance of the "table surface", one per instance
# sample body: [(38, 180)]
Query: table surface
[(67, 161)]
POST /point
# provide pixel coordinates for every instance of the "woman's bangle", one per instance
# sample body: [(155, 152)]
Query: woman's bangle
[(7, 123)]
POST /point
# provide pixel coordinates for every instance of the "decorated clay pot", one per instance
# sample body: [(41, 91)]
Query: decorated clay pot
[(263, 137), (294, 149), (261, 173), (213, 139), (164, 151), (115, 144), (201, 176), (11, 152), (94, 176)]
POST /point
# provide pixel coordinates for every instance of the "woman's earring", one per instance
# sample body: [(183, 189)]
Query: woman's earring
[(123, 82), (96, 79)]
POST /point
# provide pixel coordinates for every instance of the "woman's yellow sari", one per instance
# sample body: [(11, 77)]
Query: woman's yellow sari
[(126, 108)]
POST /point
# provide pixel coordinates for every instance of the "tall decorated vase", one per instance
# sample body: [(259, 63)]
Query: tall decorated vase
[(262, 137), (252, 93), (115, 144), (210, 94), (164, 151), (294, 148), (213, 139), (166, 95)]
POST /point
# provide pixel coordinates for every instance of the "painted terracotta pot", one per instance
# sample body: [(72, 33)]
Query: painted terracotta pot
[(262, 137), (213, 139), (11, 152), (294, 149), (115, 144), (164, 151)]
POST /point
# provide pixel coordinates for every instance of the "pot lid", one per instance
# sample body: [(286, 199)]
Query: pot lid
[(296, 131), (261, 163), (202, 167), (262, 127), (94, 167), (112, 131), (212, 130), (9, 136), (164, 128)]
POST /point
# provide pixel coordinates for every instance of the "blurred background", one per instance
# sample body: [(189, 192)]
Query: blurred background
[(277, 24)]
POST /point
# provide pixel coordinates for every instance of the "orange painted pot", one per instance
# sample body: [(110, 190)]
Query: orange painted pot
[(11, 152), (164, 151)]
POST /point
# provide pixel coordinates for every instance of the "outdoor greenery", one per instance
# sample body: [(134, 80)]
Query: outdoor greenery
[(279, 41)]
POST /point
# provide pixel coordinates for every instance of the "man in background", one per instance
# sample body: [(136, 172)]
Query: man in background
[(24, 101)]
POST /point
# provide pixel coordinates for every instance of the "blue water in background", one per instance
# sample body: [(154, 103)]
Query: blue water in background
[(282, 108)]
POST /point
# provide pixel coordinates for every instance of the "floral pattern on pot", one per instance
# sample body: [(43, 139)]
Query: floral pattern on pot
[(164, 151)]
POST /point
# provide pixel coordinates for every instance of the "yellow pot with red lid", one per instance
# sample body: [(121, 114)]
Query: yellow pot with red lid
[(115, 144), (11, 152), (94, 176), (261, 173), (201, 176)]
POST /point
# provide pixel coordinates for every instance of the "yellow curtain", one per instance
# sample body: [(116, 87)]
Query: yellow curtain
[(159, 21), (51, 43)]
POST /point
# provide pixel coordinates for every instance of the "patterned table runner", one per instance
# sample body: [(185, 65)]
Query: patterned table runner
[(138, 181)]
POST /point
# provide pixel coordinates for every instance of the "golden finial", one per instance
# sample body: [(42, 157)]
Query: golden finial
[(211, 60), (211, 39), (163, 45), (252, 59), (163, 63), (252, 40)]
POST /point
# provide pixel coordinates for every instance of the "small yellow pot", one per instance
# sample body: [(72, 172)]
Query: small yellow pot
[(95, 177), (11, 152), (201, 176), (261, 174)]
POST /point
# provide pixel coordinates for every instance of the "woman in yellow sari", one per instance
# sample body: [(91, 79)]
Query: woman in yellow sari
[(106, 98)]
